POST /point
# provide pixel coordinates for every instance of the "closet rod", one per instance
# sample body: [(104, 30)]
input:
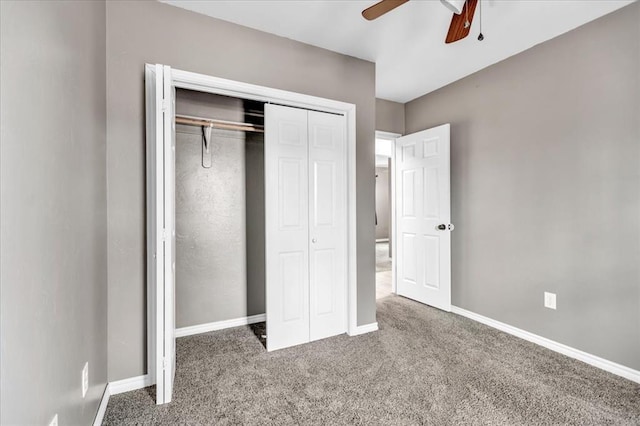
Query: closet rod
[(218, 124)]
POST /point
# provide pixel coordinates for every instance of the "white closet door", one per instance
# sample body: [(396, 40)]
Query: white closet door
[(161, 228), (423, 214), (287, 226), (327, 224)]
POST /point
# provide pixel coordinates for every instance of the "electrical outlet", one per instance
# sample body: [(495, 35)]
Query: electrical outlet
[(549, 300), (54, 421), (85, 379)]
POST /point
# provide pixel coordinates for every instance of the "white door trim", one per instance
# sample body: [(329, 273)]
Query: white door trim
[(209, 84), (392, 137)]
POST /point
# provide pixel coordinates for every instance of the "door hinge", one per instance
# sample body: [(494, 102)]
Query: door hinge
[(164, 235), (165, 363), (165, 105)]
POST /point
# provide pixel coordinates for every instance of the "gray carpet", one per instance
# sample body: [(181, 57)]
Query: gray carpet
[(423, 367)]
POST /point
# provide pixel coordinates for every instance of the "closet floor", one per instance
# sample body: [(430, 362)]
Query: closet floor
[(423, 366)]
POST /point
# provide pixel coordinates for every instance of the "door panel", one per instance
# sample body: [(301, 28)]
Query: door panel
[(292, 268), (410, 259), (432, 261), (324, 188), (292, 198), (423, 202), (328, 224), (160, 135), (324, 295), (305, 179), (287, 226)]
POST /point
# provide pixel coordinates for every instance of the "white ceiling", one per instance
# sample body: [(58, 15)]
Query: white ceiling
[(407, 44)]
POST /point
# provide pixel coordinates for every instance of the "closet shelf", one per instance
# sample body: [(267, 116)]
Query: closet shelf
[(218, 124)]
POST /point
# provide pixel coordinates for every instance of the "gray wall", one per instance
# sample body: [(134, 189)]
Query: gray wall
[(383, 202), (211, 211), (53, 208), (139, 32), (389, 116), (254, 187), (545, 184)]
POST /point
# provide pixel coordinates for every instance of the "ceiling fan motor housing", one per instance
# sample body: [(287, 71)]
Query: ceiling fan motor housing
[(454, 5)]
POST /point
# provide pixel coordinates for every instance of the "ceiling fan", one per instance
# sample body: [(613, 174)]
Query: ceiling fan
[(463, 11)]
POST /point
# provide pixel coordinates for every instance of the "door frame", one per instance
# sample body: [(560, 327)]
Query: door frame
[(204, 83), (391, 137)]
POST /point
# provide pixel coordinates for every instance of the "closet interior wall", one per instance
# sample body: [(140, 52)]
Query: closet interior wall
[(220, 230)]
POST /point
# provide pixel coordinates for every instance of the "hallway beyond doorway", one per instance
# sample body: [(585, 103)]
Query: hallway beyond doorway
[(383, 270)]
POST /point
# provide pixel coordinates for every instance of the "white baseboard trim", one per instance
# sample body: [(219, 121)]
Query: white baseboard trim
[(132, 383), (219, 325), (362, 329), (610, 366), (102, 408)]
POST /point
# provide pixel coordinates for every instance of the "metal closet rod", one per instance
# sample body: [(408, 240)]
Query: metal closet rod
[(218, 124)]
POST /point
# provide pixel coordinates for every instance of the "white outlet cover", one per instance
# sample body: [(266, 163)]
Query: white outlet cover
[(85, 379), (54, 421), (549, 300)]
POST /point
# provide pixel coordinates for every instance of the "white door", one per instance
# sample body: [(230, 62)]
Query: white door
[(306, 225), (287, 226), (423, 215), (161, 228), (327, 224)]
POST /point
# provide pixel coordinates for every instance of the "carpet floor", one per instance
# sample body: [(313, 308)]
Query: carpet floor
[(423, 366)]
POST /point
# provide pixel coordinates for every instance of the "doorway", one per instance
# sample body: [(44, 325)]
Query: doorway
[(420, 230), (383, 213), (422, 217)]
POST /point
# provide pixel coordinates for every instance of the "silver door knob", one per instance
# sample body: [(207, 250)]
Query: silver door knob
[(313, 240)]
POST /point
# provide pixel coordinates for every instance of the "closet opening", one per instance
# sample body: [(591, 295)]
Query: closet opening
[(251, 214), (219, 213)]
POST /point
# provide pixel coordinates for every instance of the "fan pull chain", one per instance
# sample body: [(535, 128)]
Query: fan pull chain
[(480, 36)]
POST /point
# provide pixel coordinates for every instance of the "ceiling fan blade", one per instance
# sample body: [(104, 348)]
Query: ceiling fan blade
[(457, 31), (380, 8)]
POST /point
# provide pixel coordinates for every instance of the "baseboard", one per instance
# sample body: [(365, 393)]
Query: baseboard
[(102, 408), (382, 240), (362, 329), (603, 364), (219, 325), (132, 383)]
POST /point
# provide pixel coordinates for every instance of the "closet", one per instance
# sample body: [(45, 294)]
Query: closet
[(219, 209), (260, 208), (250, 214)]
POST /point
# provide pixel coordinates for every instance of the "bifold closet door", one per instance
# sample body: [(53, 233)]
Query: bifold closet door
[(327, 224), (287, 226), (306, 225), (161, 229)]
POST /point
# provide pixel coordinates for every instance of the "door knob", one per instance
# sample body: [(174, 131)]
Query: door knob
[(443, 227)]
